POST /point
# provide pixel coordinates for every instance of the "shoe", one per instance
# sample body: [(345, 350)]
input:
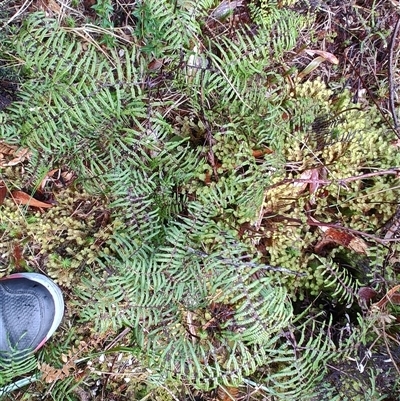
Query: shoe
[(31, 309)]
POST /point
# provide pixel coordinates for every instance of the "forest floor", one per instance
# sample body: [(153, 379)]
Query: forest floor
[(350, 46)]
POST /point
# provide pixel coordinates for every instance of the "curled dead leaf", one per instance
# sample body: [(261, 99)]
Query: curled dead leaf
[(326, 55), (22, 198), (392, 296), (310, 178), (303, 181), (337, 236), (257, 153), (322, 57), (311, 67), (58, 178), (11, 155), (340, 237), (3, 192)]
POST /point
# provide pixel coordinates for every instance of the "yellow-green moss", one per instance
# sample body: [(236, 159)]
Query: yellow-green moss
[(361, 146), (59, 240)]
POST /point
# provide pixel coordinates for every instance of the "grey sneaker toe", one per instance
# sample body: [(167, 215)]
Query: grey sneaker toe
[(31, 309)]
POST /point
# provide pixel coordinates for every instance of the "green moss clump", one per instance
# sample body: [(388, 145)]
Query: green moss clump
[(337, 142), (58, 241)]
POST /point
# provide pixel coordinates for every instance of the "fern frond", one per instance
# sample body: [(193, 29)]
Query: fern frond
[(11, 369), (340, 283)]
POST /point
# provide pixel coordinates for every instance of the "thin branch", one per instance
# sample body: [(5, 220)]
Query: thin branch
[(341, 181), (371, 95), (390, 74)]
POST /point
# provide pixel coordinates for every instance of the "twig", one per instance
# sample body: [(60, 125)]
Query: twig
[(19, 384), (371, 95), (390, 74), (341, 181), (118, 338)]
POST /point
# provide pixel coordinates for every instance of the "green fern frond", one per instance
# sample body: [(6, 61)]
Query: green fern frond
[(172, 151), (339, 283), (9, 368)]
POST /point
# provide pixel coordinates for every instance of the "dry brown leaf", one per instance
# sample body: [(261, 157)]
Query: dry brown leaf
[(20, 156), (54, 6), (6, 149), (348, 240), (50, 374), (257, 153), (390, 297), (303, 181), (3, 192), (58, 178), (22, 198), (51, 7), (326, 55), (155, 64), (309, 178), (338, 236), (16, 154)]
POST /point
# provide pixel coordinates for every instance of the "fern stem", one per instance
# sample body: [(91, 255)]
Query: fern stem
[(19, 384)]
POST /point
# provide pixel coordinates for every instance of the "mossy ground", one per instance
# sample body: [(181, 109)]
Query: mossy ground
[(352, 98)]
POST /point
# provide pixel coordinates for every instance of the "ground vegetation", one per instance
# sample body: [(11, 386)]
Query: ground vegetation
[(214, 186)]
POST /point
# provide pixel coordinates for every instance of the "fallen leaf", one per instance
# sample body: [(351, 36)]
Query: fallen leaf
[(338, 236), (7, 149), (348, 240), (326, 55), (155, 64), (17, 253), (58, 178), (22, 198), (51, 7), (54, 6), (389, 297), (315, 180), (311, 67), (16, 154), (20, 156), (3, 192), (309, 178), (257, 153)]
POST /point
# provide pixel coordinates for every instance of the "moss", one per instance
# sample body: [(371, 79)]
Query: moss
[(59, 240), (327, 139), (352, 144)]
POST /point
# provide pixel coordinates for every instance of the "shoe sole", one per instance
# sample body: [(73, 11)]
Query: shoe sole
[(56, 294)]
